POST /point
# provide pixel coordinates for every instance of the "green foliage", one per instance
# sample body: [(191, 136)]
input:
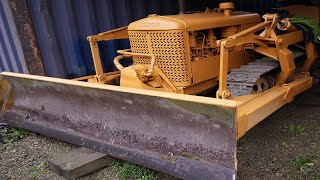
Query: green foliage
[(303, 161), (318, 130), (317, 177), (38, 170), (19, 133), (129, 171), (307, 21), (300, 129), (9, 135), (290, 128), (295, 129), (285, 145), (12, 134)]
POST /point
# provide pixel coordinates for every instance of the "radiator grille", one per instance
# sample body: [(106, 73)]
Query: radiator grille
[(169, 50)]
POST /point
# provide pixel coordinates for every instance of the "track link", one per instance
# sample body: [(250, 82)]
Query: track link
[(241, 81)]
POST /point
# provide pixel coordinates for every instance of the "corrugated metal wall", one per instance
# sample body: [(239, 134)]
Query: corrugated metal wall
[(61, 28), (11, 54)]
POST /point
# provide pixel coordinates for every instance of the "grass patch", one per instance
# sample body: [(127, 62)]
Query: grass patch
[(128, 171), (292, 128), (285, 145), (303, 161), (37, 170), (316, 178), (300, 129), (19, 133), (8, 135)]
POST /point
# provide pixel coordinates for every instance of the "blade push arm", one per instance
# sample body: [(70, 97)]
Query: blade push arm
[(278, 50), (120, 33), (245, 37)]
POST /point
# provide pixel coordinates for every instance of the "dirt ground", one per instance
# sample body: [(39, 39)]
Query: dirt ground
[(284, 146), (24, 160)]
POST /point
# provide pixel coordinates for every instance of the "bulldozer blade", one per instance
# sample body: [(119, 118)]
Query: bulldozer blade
[(186, 136)]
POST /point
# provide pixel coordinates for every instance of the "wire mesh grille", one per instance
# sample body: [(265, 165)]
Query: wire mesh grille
[(168, 48)]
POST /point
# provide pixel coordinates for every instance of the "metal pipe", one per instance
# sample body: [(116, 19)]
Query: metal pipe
[(117, 63), (129, 54), (182, 6)]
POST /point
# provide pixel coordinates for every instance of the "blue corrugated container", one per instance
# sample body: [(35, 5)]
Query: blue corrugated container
[(61, 28), (11, 54)]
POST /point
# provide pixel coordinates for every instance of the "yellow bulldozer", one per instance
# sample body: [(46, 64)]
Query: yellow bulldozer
[(198, 83)]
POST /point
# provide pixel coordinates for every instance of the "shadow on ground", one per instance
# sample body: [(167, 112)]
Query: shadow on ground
[(286, 145)]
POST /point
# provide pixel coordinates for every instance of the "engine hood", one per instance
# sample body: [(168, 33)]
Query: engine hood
[(193, 22)]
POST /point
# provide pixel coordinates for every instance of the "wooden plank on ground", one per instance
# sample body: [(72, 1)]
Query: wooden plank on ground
[(78, 163)]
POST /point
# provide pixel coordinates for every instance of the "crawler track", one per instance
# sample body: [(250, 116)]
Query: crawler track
[(241, 80)]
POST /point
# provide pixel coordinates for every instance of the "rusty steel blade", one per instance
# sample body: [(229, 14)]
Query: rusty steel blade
[(186, 136)]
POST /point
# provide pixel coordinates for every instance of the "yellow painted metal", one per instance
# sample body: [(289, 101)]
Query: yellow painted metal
[(163, 41), (120, 33), (134, 77), (226, 7), (173, 59), (224, 59), (189, 98), (6, 95), (253, 109), (267, 51), (245, 37), (176, 59), (285, 55), (204, 68), (162, 50), (111, 78), (193, 22), (263, 44), (132, 54), (287, 65), (250, 109), (198, 88), (100, 78)]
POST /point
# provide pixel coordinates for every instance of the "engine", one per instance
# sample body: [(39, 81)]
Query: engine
[(184, 46)]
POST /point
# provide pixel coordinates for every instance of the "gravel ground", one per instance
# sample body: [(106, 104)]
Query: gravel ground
[(22, 158), (268, 151), (272, 149)]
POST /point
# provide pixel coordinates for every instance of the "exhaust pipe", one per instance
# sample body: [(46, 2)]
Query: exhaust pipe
[(182, 6)]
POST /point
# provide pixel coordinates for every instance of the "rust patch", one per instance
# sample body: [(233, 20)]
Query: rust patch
[(27, 37), (172, 136)]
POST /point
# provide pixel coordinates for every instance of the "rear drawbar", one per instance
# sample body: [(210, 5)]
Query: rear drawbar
[(185, 136)]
